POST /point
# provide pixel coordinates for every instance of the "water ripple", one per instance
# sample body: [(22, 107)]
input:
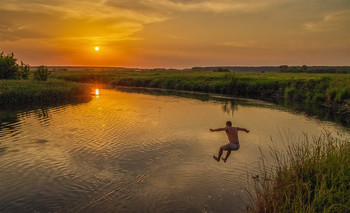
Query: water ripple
[(129, 152)]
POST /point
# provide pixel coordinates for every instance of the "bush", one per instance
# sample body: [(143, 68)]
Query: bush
[(9, 69), (290, 93), (42, 73), (318, 98), (342, 94), (24, 70), (220, 69), (8, 66), (331, 93)]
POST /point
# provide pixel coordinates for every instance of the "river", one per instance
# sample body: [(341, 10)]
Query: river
[(138, 152)]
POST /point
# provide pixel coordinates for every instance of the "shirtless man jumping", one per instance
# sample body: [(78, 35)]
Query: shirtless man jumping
[(232, 134)]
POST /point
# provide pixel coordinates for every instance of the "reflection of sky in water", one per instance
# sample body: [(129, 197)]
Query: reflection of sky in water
[(136, 152)]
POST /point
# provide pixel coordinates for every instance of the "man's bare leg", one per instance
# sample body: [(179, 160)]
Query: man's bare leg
[(227, 154), (219, 155)]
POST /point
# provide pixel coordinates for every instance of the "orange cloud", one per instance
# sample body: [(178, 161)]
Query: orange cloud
[(177, 33)]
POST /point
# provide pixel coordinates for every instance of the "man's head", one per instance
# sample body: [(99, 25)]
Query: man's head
[(228, 124)]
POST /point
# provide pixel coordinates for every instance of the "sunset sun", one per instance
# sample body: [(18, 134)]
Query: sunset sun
[(97, 48)]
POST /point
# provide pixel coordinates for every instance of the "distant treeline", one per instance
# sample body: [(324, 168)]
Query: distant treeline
[(262, 69), (315, 69), (87, 68), (282, 68), (238, 69)]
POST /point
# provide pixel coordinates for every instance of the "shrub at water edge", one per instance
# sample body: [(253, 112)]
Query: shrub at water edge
[(41, 74), (9, 69)]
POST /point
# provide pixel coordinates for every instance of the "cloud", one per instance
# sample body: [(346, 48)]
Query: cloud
[(71, 19), (203, 5), (331, 22), (14, 27), (103, 19), (241, 44), (211, 6), (172, 28), (94, 10), (14, 32)]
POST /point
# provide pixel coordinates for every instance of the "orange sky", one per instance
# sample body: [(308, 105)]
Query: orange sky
[(176, 33)]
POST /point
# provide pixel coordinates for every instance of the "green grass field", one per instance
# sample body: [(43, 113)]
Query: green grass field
[(87, 75), (331, 87), (20, 93)]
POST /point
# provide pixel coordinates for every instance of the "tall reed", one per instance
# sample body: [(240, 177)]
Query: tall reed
[(311, 176), (20, 93)]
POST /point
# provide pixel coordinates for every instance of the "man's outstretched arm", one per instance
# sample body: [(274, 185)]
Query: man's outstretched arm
[(243, 129), (218, 129)]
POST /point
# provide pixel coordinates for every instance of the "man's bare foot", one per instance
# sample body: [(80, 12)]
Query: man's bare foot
[(216, 158), (224, 159)]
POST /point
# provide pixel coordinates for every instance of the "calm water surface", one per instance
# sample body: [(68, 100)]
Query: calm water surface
[(132, 152)]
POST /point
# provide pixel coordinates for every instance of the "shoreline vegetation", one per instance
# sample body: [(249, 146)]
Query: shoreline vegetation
[(308, 177), (21, 87), (26, 93), (324, 94)]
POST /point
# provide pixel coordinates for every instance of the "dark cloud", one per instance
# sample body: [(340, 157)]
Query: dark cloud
[(15, 32), (16, 25), (136, 5), (188, 1)]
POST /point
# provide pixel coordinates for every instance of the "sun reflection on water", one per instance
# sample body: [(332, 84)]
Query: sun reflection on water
[(98, 151)]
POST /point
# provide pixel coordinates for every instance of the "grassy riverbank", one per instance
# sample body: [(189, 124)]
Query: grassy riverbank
[(20, 93), (310, 177), (328, 91)]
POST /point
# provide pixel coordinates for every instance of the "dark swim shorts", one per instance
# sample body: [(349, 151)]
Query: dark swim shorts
[(231, 146)]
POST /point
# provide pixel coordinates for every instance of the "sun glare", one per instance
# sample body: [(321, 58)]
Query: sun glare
[(97, 92), (97, 48)]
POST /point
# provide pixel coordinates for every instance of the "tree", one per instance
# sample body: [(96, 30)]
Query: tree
[(8, 66), (24, 70), (42, 73), (304, 68), (220, 69), (283, 68)]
